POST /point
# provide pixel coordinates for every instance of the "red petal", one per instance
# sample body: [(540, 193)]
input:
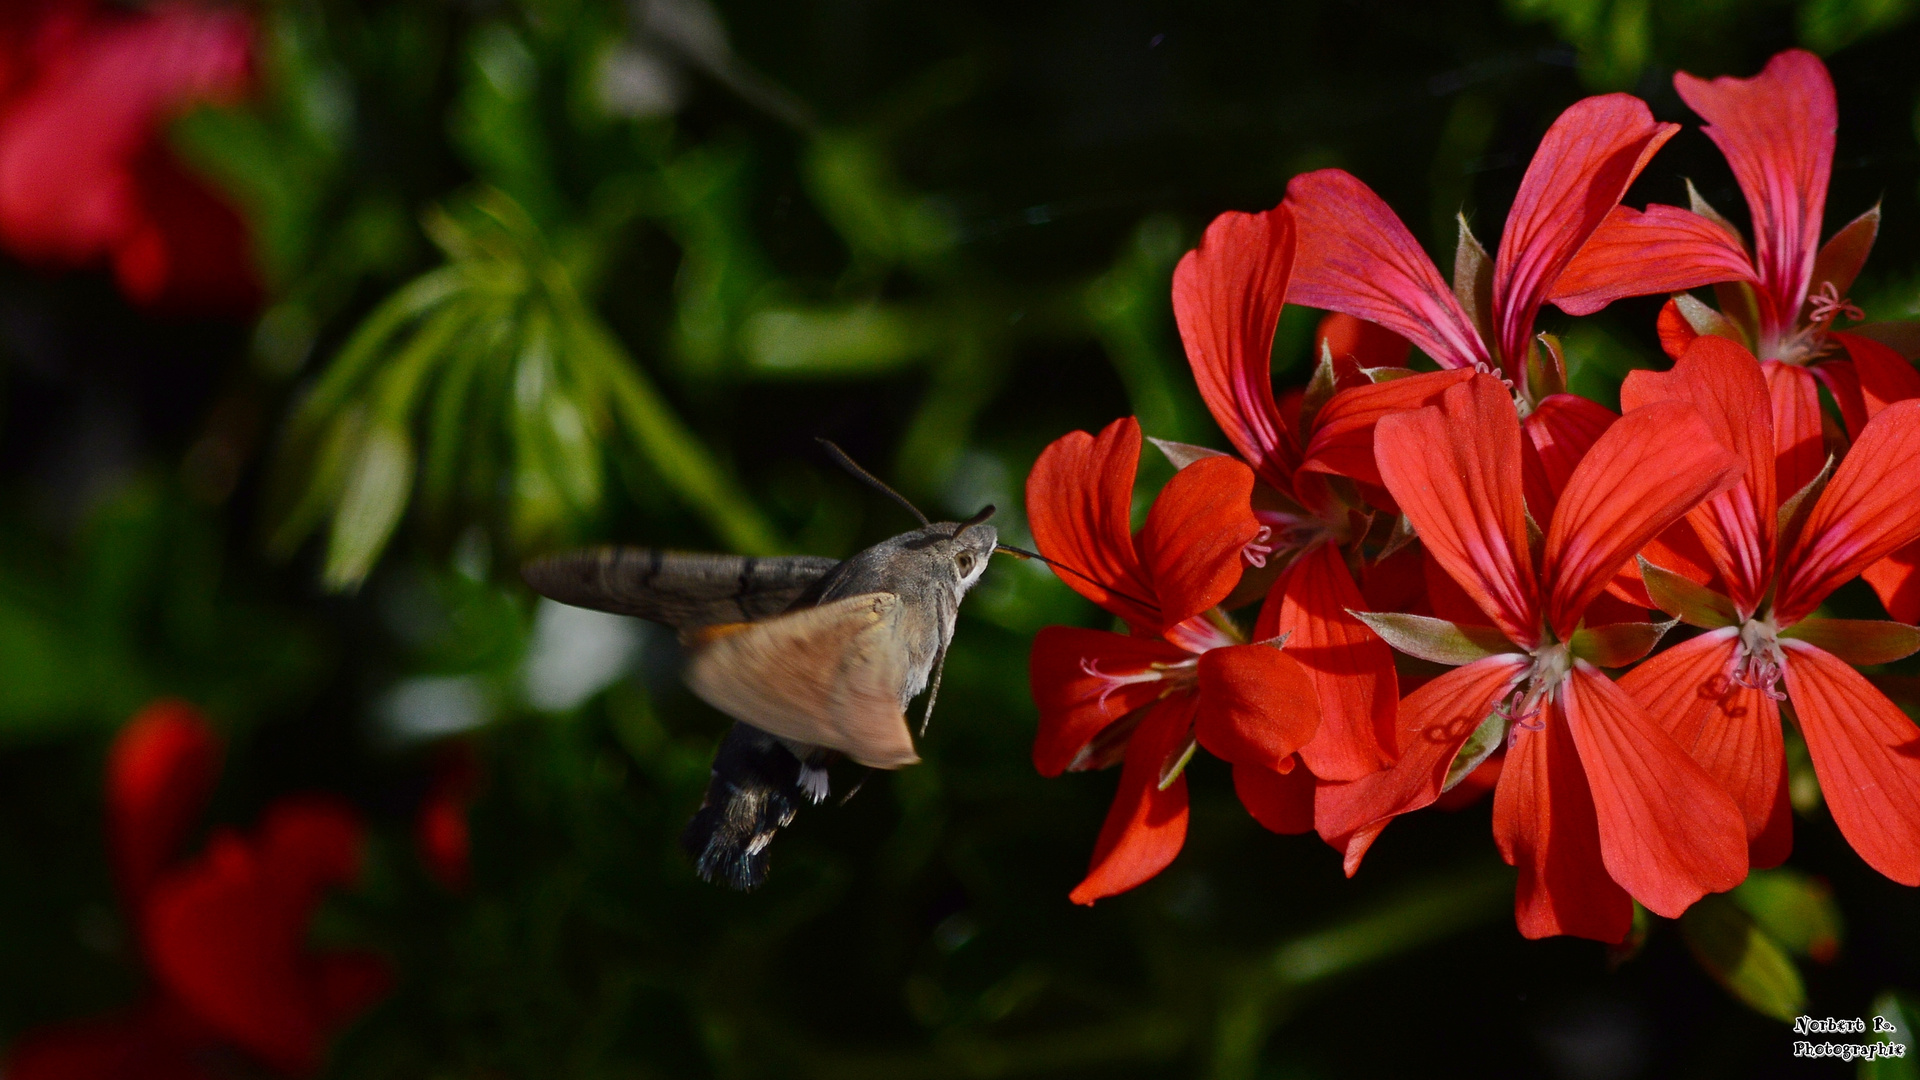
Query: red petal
[(1256, 705), (1776, 130), (1195, 533), (1283, 802), (1896, 579), (1367, 345), (1800, 447), (1584, 165), (1869, 510), (1866, 753), (1843, 382), (1559, 431), (1342, 440), (1544, 822), (1355, 256), (143, 1044), (1664, 250), (440, 826), (225, 933), (1676, 333), (1643, 475), (1227, 295), (160, 773), (1737, 526), (1434, 721), (1146, 825), (1444, 596), (1732, 731), (1455, 471), (1079, 686), (1885, 375), (190, 252), (1668, 834), (1350, 667), (1080, 508)]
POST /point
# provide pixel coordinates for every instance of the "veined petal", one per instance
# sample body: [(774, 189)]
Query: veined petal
[(1342, 438), (1083, 680), (1368, 345), (1737, 526), (1663, 250), (1197, 529), (1227, 295), (1355, 256), (1866, 753), (1585, 163), (1896, 579), (1559, 431), (1079, 505), (1843, 382), (1885, 376), (1869, 510), (1283, 802), (1776, 130), (1732, 731), (1257, 705), (1434, 721), (1643, 475), (1455, 471), (1545, 825), (1668, 833), (1800, 446), (1146, 824), (160, 774), (1351, 669)]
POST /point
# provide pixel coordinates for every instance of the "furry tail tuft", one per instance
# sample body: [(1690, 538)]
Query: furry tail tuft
[(757, 783)]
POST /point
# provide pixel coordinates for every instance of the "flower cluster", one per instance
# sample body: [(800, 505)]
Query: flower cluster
[(223, 933), (1534, 542)]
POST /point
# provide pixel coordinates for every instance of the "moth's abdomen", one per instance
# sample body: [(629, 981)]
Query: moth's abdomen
[(756, 786)]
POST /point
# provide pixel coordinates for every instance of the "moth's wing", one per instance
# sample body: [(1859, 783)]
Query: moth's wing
[(830, 675), (680, 589)]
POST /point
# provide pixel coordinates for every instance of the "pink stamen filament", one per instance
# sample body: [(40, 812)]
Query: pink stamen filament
[(1758, 663), (1259, 547), (1178, 675), (1828, 303)]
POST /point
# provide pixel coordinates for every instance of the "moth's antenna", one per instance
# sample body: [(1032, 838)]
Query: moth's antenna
[(972, 521), (1023, 553), (840, 458)]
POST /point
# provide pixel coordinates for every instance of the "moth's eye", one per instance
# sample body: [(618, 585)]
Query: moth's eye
[(964, 563)]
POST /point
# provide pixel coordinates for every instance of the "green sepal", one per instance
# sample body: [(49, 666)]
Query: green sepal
[(1437, 640), (1617, 644), (1687, 600), (1860, 642), (1742, 958), (1478, 748)]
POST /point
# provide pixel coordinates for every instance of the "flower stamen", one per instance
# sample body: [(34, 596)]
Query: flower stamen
[(1180, 674)]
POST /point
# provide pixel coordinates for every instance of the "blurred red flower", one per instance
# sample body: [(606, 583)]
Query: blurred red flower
[(86, 92), (223, 932), (1180, 678), (440, 831)]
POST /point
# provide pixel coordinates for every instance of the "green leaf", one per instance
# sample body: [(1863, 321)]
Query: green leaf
[(1794, 909), (1437, 640), (1617, 644), (1748, 963), (375, 496), (1899, 1011), (1687, 600), (1860, 642), (863, 340)]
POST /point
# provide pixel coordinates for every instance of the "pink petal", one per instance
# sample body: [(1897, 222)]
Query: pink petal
[(1227, 295), (1869, 510), (1196, 532), (1776, 130), (1355, 256), (1664, 250), (1800, 445), (1585, 163), (1885, 376), (1146, 825), (1866, 753), (1351, 669), (1342, 438), (1455, 471), (1560, 431), (1668, 833), (1080, 507)]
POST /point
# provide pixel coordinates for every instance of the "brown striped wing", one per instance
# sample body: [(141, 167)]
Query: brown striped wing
[(682, 589)]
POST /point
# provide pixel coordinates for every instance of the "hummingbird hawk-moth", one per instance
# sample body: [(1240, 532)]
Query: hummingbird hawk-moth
[(814, 658)]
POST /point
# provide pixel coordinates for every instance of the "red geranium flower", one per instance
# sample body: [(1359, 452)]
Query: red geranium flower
[(1595, 803), (1183, 675), (1227, 296), (1719, 694), (1356, 256), (1777, 132), (86, 92), (223, 932)]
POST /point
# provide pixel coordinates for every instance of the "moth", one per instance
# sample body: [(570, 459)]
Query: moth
[(814, 658)]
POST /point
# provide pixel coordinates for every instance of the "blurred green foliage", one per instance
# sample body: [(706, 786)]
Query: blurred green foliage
[(557, 271)]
